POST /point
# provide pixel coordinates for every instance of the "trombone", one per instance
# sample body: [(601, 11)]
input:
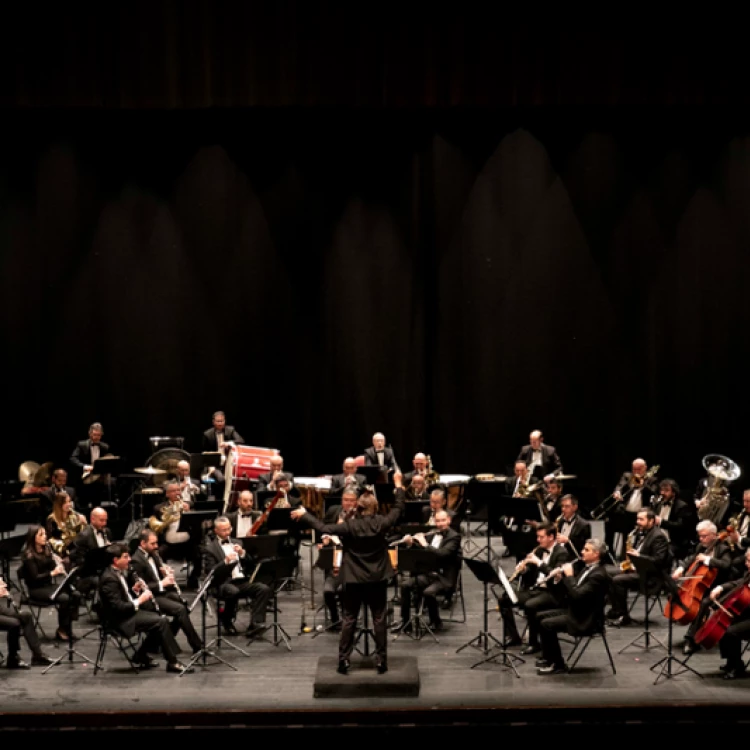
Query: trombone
[(606, 505)]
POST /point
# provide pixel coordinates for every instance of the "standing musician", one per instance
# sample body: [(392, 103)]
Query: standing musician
[(417, 489), (63, 525), (220, 438), (127, 607), (585, 594), (189, 487), (245, 516), (649, 542), (332, 585), (60, 486), (714, 554), (533, 589), (174, 544), (93, 536), (572, 530), (270, 480), (39, 566), (674, 517), (365, 569), (730, 645), (446, 547), (349, 479), (541, 459), (160, 580), (85, 455), (633, 492), (17, 623), (233, 570), (379, 454)]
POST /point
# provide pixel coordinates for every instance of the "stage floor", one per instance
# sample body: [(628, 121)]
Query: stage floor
[(273, 687)]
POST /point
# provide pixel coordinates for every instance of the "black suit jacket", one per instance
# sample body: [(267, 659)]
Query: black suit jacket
[(365, 558), (721, 559), (265, 479), (82, 454), (84, 542), (232, 518), (648, 490), (586, 601), (550, 460), (389, 459), (139, 563), (230, 435), (427, 514), (655, 547), (50, 493), (680, 526), (447, 558), (579, 533), (116, 608), (558, 557), (213, 557), (338, 483)]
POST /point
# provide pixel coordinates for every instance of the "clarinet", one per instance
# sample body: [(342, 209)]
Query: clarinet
[(166, 570), (145, 587)]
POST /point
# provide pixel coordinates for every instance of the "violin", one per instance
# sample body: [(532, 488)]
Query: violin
[(730, 606)]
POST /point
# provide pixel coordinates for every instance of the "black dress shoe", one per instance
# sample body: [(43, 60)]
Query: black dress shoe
[(41, 660), (513, 643), (382, 667), (530, 649), (620, 621), (229, 628), (16, 663), (689, 647), (397, 626), (541, 663), (343, 667), (255, 630), (436, 626), (147, 663), (552, 669), (735, 673), (178, 668)]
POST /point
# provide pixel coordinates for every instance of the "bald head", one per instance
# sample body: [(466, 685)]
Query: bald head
[(98, 518)]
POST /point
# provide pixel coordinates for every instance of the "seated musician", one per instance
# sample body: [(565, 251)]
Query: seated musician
[(332, 584), (572, 530), (552, 500), (714, 554), (508, 528), (93, 536), (739, 531), (218, 439), (419, 462), (233, 569), (270, 480), (533, 570), (446, 548), (348, 478), (730, 645), (438, 502), (541, 459), (649, 542), (584, 593), (60, 486), (633, 491), (63, 525), (189, 487), (245, 516), (174, 544), (17, 623), (379, 454), (127, 607), (161, 582), (39, 567), (516, 485), (417, 489), (674, 517)]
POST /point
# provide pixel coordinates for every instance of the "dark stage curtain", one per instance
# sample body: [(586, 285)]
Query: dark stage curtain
[(452, 278)]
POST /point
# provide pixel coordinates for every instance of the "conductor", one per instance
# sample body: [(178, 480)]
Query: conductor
[(365, 569)]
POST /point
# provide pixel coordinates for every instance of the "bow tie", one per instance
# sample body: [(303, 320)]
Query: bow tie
[(246, 515)]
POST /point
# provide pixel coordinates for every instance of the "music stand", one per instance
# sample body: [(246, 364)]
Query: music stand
[(373, 474), (70, 652), (417, 562), (413, 512), (325, 563), (329, 501), (205, 650), (108, 466), (278, 570), (647, 573), (666, 662), (209, 506), (261, 547), (519, 510)]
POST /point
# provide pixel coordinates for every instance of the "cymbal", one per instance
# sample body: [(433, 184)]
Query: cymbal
[(561, 477), (149, 470), (43, 474), (27, 470), (152, 491)]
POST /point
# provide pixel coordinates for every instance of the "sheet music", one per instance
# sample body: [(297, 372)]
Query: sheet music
[(506, 585)]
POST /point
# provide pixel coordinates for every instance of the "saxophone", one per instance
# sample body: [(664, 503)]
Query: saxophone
[(626, 565), (169, 514)]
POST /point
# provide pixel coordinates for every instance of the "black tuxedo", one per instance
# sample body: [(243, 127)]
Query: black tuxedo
[(265, 479), (579, 534), (338, 483), (210, 443), (365, 570), (232, 518), (119, 611), (550, 460), (413, 497), (85, 542), (169, 601), (231, 589), (585, 594), (447, 562), (82, 454), (621, 520), (654, 547), (427, 515), (680, 525), (50, 494), (389, 458)]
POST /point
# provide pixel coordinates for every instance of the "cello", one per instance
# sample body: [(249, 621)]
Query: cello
[(732, 605), (700, 577)]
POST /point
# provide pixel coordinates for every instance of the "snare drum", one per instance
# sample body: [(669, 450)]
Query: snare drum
[(244, 463)]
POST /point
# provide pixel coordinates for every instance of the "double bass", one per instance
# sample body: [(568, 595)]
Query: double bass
[(728, 608), (700, 578)]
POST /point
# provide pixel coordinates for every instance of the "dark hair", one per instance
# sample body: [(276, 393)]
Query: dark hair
[(649, 513), (28, 543), (548, 528), (573, 499), (670, 483), (146, 534), (118, 549)]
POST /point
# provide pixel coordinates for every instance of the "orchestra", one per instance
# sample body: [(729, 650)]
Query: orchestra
[(563, 583)]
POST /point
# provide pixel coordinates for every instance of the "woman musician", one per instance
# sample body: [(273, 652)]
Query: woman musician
[(63, 525), (39, 567)]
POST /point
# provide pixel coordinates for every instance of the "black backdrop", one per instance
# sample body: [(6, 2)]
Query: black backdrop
[(452, 276)]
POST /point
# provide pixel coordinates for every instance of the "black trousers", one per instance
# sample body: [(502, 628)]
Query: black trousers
[(67, 603), (171, 606), (535, 608), (331, 589), (17, 624), (158, 636), (730, 646), (429, 586), (188, 551), (551, 623), (372, 595), (260, 594)]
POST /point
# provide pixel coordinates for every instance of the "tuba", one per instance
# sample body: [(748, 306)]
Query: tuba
[(715, 500), (169, 514)]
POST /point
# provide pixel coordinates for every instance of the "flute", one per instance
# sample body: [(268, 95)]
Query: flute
[(409, 536)]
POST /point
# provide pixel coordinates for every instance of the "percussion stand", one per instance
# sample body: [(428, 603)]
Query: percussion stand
[(469, 544)]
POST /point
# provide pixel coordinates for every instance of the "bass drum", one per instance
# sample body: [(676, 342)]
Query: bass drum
[(244, 464), (167, 459)]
